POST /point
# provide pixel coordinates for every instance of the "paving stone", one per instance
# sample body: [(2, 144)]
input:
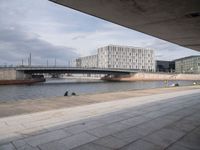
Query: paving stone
[(182, 125), (108, 129), (131, 113), (192, 140), (194, 120), (77, 140), (183, 112), (136, 120), (32, 131), (141, 145), (169, 109), (19, 143), (152, 126), (91, 146), (28, 147), (111, 118), (128, 135), (154, 114), (56, 145), (173, 117), (110, 142), (177, 147), (7, 147), (42, 138), (10, 137), (164, 137), (83, 127)]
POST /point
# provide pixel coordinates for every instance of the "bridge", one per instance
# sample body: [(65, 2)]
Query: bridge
[(26, 72), (75, 70)]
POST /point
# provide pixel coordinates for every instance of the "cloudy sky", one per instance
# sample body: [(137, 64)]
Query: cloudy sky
[(50, 31)]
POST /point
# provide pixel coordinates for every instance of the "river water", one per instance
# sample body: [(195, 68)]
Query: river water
[(57, 87)]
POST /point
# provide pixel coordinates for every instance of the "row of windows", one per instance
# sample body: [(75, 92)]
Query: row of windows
[(126, 53), (113, 48), (130, 66)]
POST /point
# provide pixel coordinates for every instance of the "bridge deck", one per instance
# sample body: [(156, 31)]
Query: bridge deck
[(75, 70)]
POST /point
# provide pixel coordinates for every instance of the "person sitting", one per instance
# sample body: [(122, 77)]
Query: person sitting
[(66, 93), (73, 93)]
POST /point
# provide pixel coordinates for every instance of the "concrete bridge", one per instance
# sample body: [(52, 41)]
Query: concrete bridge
[(13, 73), (75, 70)]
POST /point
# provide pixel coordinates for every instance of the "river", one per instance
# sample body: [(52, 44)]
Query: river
[(57, 87)]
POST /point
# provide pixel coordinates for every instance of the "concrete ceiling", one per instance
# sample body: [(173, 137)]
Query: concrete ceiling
[(176, 21)]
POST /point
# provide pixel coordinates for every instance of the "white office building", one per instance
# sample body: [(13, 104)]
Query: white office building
[(126, 57), (87, 62), (122, 57)]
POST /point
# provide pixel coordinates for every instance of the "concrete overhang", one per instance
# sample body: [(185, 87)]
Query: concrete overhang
[(176, 21)]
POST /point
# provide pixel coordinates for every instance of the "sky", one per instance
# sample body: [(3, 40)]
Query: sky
[(50, 31)]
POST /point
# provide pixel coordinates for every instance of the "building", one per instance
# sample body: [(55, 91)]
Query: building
[(122, 57), (126, 57), (189, 64), (88, 61), (165, 66)]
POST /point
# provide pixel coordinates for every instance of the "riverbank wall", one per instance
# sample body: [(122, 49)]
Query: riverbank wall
[(141, 76), (9, 76), (12, 74)]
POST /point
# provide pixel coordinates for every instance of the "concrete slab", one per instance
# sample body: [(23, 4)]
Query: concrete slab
[(177, 147), (129, 135), (56, 145), (141, 145), (192, 140), (110, 142), (77, 140), (91, 146), (42, 138), (173, 21), (7, 147), (164, 137)]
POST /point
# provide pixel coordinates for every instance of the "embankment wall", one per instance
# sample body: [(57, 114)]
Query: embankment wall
[(157, 77), (12, 74), (8, 74)]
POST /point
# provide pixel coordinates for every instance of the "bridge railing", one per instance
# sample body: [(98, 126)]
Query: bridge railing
[(75, 68)]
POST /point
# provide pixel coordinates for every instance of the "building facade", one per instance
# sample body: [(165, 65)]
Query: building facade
[(87, 62), (121, 57), (189, 64), (126, 57), (165, 66)]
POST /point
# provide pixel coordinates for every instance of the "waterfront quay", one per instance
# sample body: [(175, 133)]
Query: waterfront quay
[(153, 119)]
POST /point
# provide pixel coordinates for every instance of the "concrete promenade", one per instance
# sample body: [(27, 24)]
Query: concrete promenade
[(166, 120)]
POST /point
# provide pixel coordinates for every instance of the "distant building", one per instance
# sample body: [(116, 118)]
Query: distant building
[(88, 61), (122, 57), (165, 66), (126, 57), (189, 64)]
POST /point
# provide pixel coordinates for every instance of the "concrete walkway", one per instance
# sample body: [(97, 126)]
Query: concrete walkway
[(160, 121)]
